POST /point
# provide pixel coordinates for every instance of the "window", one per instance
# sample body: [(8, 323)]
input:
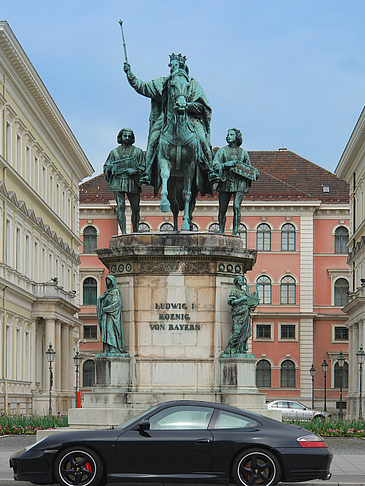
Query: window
[(90, 239), (263, 373), (228, 420), (8, 142), (27, 162), (341, 239), (288, 237), (143, 228), (90, 291), (182, 417), (287, 331), (194, 227), (264, 289), (165, 227), (341, 291), (341, 373), (287, 290), (287, 374), (341, 333), (242, 232), (90, 332), (17, 249), (19, 154), (264, 237), (36, 173), (88, 373), (263, 331), (214, 228)]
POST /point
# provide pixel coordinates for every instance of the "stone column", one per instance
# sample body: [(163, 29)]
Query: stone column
[(59, 357), (71, 354), (33, 352), (66, 357), (50, 338)]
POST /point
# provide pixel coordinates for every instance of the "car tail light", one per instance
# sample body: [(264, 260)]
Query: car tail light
[(311, 440)]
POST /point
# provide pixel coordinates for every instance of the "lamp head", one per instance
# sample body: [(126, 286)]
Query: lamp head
[(50, 353)]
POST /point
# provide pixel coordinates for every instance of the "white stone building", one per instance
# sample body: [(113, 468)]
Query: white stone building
[(41, 165), (351, 167)]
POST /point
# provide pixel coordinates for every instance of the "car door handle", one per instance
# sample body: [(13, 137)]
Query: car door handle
[(202, 441)]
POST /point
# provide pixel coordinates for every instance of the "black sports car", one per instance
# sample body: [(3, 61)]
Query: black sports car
[(186, 441)]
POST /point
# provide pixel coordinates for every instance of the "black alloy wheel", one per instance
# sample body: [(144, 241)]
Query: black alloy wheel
[(79, 466), (256, 467)]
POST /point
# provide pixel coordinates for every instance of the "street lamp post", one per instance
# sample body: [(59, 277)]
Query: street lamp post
[(341, 362), (360, 359), (77, 362), (312, 371), (50, 358), (325, 369)]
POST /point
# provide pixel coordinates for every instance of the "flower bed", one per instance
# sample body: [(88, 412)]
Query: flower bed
[(22, 424), (334, 427)]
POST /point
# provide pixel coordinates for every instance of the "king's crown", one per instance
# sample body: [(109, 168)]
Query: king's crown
[(178, 57)]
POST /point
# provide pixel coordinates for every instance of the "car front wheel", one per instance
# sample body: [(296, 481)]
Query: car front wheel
[(256, 467), (79, 466)]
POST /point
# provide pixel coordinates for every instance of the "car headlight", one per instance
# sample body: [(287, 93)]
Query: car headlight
[(33, 445)]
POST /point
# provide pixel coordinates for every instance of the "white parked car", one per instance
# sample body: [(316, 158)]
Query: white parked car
[(296, 411)]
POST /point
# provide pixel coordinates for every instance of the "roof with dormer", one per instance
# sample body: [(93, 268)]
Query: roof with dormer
[(284, 175)]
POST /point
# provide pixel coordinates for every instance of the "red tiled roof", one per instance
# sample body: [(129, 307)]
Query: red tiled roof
[(283, 175)]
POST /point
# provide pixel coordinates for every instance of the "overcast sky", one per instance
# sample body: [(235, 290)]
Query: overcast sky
[(286, 72)]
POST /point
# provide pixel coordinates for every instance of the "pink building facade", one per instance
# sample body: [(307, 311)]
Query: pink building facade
[(297, 218)]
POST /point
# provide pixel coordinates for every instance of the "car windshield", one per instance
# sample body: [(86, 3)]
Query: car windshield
[(135, 419)]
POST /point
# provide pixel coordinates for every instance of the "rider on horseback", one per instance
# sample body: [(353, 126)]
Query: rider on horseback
[(199, 112)]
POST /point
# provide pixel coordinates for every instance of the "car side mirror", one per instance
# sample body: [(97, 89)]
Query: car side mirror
[(144, 425)]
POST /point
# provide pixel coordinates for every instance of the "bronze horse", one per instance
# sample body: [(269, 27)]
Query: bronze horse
[(178, 153)]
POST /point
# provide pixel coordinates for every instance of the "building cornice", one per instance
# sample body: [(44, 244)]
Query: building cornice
[(24, 70), (345, 167)]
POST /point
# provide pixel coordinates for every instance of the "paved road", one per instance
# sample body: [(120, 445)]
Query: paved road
[(348, 466)]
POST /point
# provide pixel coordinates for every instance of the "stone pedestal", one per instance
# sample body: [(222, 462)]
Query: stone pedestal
[(238, 387), (176, 319)]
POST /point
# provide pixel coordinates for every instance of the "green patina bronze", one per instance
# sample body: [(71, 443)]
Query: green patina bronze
[(179, 152), (110, 319), (123, 169), (234, 173), (242, 303)]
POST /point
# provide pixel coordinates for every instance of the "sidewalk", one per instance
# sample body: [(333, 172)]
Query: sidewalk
[(347, 468)]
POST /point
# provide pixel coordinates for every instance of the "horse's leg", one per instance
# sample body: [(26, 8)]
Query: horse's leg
[(187, 196), (194, 193), (165, 174)]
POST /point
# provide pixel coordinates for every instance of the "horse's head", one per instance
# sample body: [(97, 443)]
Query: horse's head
[(179, 84)]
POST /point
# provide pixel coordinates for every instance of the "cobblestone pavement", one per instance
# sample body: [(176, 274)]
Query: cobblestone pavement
[(348, 465)]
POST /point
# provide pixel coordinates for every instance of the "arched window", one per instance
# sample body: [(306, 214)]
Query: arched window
[(88, 373), (264, 237), (263, 373), (214, 228), (90, 239), (194, 227), (341, 290), (264, 289), (341, 239), (166, 227), (143, 228), (345, 375), (287, 374), (288, 237), (242, 232), (287, 290), (90, 287)]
